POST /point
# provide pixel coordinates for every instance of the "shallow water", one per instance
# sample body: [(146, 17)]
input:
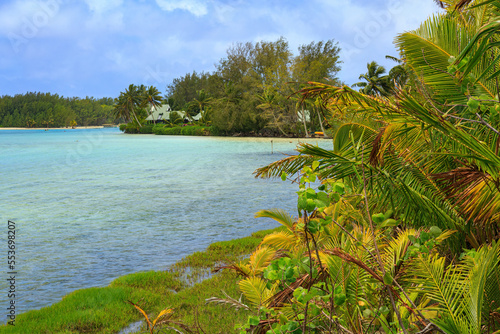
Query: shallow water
[(92, 205)]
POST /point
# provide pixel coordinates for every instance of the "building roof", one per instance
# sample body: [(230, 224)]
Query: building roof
[(159, 113), (163, 113), (197, 117)]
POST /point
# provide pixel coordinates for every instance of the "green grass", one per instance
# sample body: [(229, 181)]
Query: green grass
[(105, 310)]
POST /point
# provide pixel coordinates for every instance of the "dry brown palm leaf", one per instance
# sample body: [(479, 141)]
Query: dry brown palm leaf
[(376, 157), (439, 3), (349, 258), (463, 3), (474, 191), (234, 267)]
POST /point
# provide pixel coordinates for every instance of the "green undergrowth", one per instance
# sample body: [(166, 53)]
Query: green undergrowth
[(192, 130), (105, 310)]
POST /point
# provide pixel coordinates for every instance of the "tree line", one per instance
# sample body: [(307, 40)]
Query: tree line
[(51, 110), (251, 90)]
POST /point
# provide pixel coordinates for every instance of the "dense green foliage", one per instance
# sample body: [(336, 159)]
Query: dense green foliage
[(135, 104), (401, 233), (181, 130), (249, 91), (47, 110)]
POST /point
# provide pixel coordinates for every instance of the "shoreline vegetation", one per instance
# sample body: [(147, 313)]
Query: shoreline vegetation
[(254, 90), (45, 110), (61, 128), (398, 226), (200, 130), (184, 288)]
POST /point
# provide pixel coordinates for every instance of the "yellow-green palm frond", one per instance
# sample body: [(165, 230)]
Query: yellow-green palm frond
[(278, 215), (349, 134), (343, 96), (291, 165), (465, 294), (344, 211), (394, 252), (483, 53), (282, 240), (483, 268), (256, 291), (445, 287), (260, 259), (428, 49)]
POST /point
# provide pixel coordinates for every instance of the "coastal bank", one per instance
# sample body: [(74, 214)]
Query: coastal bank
[(183, 288)]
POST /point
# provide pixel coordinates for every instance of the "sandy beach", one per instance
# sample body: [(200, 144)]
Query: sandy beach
[(68, 128)]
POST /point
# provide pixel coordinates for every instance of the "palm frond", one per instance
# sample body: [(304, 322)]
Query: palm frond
[(278, 215), (256, 291)]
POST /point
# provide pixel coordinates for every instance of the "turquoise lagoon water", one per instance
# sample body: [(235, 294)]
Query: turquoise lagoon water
[(92, 205)]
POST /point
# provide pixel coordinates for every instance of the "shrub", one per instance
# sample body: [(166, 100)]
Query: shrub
[(145, 129), (131, 128), (182, 130)]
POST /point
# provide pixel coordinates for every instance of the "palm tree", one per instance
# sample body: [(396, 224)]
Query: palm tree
[(30, 123), (375, 84), (47, 123), (398, 75), (175, 118), (202, 100), (153, 98), (431, 153), (271, 110), (316, 105), (127, 103)]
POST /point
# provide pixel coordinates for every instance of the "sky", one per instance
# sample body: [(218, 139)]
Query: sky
[(79, 48)]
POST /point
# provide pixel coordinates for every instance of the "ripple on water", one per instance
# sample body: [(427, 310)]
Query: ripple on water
[(92, 205)]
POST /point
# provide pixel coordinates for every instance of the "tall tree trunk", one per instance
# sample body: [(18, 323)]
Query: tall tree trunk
[(304, 121), (320, 122), (135, 116)]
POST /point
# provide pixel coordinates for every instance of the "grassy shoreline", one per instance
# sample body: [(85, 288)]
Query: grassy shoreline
[(183, 288)]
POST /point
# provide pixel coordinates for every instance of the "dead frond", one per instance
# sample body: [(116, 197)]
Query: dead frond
[(236, 303)]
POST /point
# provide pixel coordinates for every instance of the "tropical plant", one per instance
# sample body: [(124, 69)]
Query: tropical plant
[(163, 318), (47, 122), (152, 97), (137, 102), (431, 154), (375, 82), (426, 162), (337, 268), (272, 110), (175, 118), (398, 75), (127, 103)]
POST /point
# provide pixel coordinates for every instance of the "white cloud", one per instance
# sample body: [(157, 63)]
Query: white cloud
[(196, 7), (223, 13), (164, 39), (21, 14), (100, 6)]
